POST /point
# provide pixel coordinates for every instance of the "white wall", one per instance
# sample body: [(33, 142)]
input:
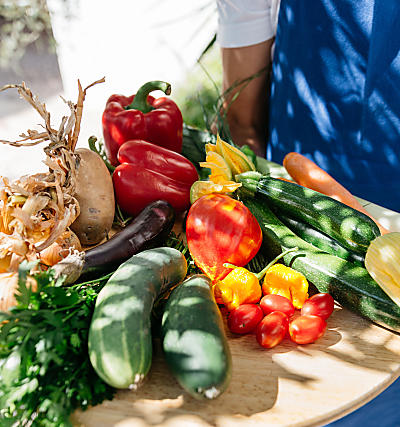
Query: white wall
[(129, 42)]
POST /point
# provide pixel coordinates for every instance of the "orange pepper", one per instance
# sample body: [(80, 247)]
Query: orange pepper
[(287, 282)]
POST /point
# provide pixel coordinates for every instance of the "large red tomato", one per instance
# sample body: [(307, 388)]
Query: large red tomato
[(220, 229)]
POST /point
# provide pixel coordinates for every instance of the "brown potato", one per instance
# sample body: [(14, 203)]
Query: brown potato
[(95, 194)]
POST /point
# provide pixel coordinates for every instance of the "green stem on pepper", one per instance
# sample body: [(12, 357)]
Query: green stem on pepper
[(140, 100)]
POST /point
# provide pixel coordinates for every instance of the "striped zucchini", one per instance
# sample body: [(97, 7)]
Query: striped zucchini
[(320, 240), (350, 228)]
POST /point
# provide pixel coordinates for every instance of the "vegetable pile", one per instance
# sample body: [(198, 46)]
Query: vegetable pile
[(331, 240), (92, 270)]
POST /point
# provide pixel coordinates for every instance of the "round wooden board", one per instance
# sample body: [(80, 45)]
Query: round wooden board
[(290, 385)]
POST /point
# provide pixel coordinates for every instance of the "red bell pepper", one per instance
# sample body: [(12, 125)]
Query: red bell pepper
[(148, 172), (142, 116)]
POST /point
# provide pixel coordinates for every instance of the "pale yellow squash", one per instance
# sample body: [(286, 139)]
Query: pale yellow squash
[(382, 261)]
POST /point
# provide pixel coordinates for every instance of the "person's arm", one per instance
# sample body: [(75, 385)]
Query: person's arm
[(247, 115)]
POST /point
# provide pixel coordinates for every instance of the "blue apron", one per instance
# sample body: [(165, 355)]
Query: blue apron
[(335, 93), (335, 97)]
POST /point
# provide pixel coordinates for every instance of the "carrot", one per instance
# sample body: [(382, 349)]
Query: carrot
[(308, 174), (286, 179)]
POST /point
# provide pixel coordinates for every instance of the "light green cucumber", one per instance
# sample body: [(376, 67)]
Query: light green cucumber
[(120, 341)]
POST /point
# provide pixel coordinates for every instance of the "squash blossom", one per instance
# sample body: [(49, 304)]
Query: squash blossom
[(224, 161)]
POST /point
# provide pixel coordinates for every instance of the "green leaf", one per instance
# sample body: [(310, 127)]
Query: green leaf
[(75, 340), (249, 153), (62, 297), (18, 393), (5, 330), (10, 368), (8, 422), (52, 318)]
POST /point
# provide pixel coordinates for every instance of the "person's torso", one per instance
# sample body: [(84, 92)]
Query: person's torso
[(335, 93)]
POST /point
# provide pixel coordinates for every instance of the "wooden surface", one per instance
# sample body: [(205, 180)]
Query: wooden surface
[(289, 385)]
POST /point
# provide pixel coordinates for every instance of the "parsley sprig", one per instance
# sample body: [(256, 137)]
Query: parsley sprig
[(45, 371)]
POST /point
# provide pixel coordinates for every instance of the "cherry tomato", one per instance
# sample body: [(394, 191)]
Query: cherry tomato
[(244, 318), (319, 305), (306, 328), (272, 302), (272, 329)]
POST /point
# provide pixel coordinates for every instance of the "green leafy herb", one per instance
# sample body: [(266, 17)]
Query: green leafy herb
[(45, 371), (121, 220)]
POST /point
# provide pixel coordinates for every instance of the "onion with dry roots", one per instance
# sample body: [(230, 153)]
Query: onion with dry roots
[(37, 211), (66, 243)]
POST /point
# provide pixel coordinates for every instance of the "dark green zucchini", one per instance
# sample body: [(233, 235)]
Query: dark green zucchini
[(193, 339), (320, 240), (120, 341), (350, 228), (349, 284)]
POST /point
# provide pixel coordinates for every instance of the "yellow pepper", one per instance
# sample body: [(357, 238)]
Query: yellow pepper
[(241, 286), (287, 282)]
